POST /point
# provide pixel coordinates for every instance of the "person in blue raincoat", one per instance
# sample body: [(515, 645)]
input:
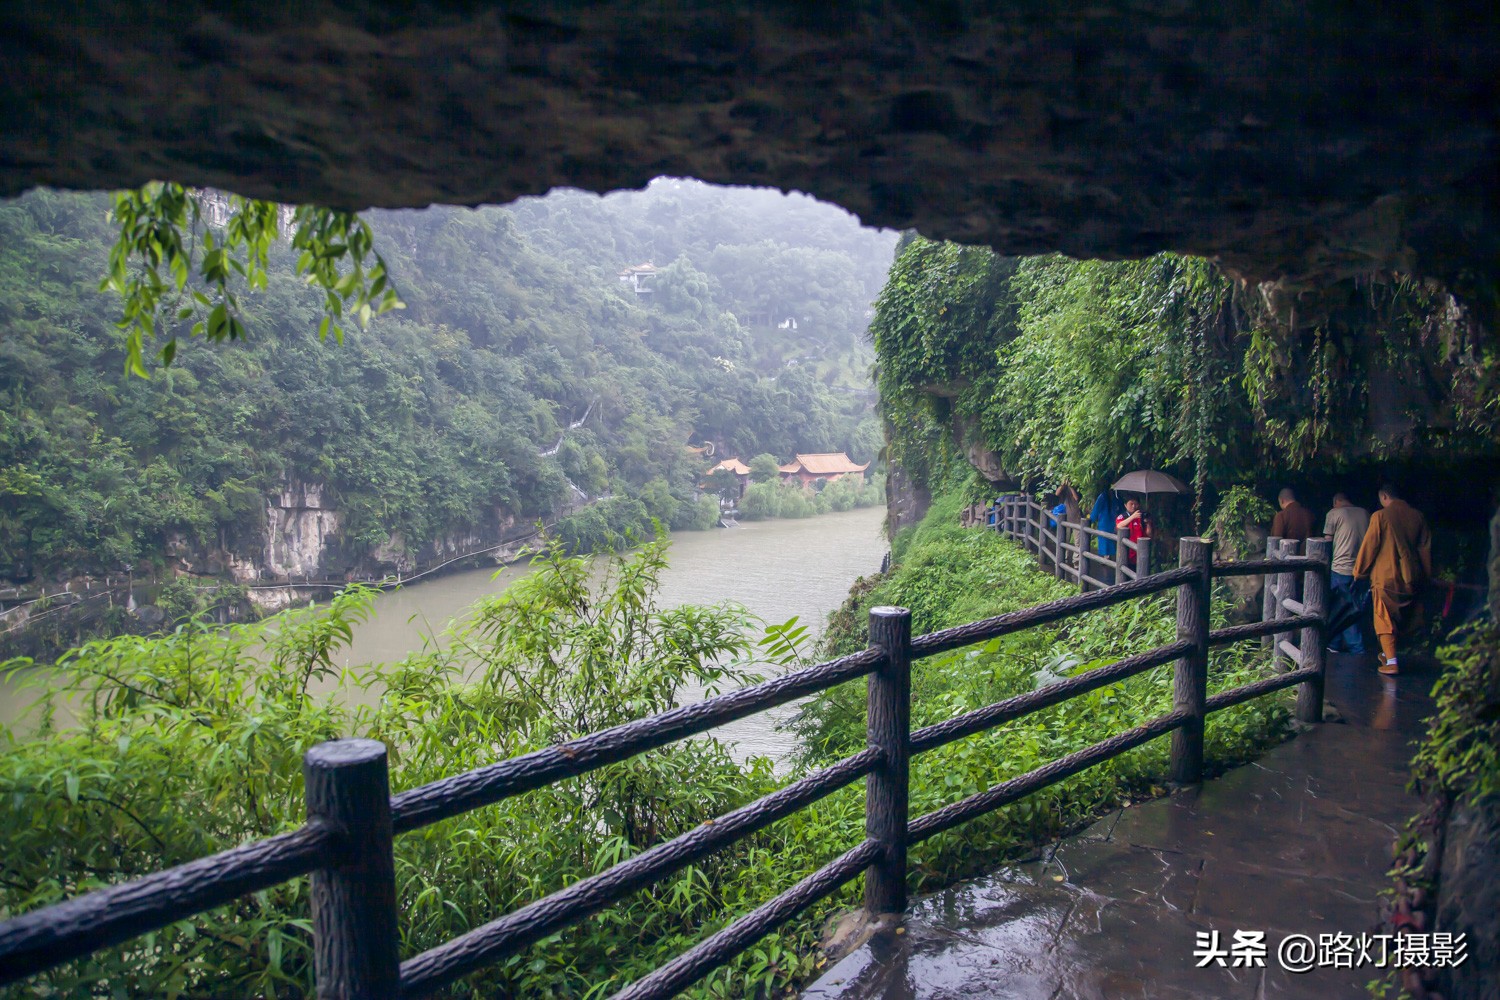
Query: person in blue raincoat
[(1107, 508)]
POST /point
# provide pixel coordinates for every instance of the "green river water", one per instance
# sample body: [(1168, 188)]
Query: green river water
[(776, 569)]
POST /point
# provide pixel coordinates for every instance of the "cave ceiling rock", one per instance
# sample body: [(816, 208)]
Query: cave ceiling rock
[(1298, 141)]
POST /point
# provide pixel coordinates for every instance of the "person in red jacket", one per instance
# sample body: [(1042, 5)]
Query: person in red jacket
[(1134, 524)]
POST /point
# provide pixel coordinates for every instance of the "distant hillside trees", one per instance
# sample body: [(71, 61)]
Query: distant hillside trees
[(437, 421)]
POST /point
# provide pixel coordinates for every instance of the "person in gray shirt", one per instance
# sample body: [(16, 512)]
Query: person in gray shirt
[(1345, 525)]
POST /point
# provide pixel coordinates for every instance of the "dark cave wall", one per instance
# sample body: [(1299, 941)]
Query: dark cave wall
[(1294, 141)]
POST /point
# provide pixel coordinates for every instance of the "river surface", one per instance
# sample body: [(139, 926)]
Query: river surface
[(776, 569)]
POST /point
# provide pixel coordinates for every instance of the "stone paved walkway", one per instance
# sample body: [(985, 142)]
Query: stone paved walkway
[(1297, 842)]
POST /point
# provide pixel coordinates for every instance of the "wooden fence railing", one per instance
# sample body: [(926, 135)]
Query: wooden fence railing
[(1063, 548), (346, 843)]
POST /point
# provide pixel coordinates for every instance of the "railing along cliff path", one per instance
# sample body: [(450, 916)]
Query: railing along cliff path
[(346, 842), (1062, 547)]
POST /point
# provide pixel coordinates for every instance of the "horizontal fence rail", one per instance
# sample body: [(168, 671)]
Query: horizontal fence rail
[(1248, 692), (449, 797), (713, 952), (43, 938), (514, 931), (346, 844), (1021, 705), (1252, 630), (1043, 614), (1257, 567), (1048, 774)]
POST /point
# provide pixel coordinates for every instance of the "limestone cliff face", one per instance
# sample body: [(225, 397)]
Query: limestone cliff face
[(397, 555), (300, 528), (1469, 898), (1495, 565), (969, 437), (906, 501), (303, 539)]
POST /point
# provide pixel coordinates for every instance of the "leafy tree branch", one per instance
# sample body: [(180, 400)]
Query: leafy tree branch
[(178, 274)]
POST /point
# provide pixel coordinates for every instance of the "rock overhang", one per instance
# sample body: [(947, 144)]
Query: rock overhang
[(1305, 142)]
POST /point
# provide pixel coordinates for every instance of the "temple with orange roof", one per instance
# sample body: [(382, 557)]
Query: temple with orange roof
[(740, 469), (823, 467)]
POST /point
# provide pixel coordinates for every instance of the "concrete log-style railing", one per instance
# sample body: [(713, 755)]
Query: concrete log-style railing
[(347, 842), (1064, 548)]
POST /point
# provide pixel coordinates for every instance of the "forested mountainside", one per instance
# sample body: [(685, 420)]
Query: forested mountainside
[(452, 419)]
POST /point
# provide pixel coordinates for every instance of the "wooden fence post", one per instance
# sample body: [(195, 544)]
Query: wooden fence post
[(1039, 534), (1044, 549), (1086, 543), (1314, 638), (1143, 558), (888, 726), (1075, 535), (1268, 604), (356, 941), (1285, 588), (1190, 673)]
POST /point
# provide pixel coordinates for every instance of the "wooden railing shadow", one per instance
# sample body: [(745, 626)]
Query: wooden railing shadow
[(346, 843)]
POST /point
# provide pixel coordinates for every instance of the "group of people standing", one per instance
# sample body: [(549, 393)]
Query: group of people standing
[(1383, 559), (1127, 520), (1388, 552)]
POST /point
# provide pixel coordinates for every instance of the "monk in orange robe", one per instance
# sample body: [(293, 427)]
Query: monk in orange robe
[(1396, 557)]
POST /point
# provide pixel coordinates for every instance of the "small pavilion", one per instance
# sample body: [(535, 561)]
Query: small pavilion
[(640, 278), (740, 469)]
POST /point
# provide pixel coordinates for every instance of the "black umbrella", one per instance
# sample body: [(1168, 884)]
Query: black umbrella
[(1150, 481)]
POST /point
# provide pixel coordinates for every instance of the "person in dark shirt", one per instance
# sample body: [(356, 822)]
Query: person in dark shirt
[(1293, 520)]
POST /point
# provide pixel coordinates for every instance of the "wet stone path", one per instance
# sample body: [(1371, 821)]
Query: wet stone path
[(1297, 842)]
